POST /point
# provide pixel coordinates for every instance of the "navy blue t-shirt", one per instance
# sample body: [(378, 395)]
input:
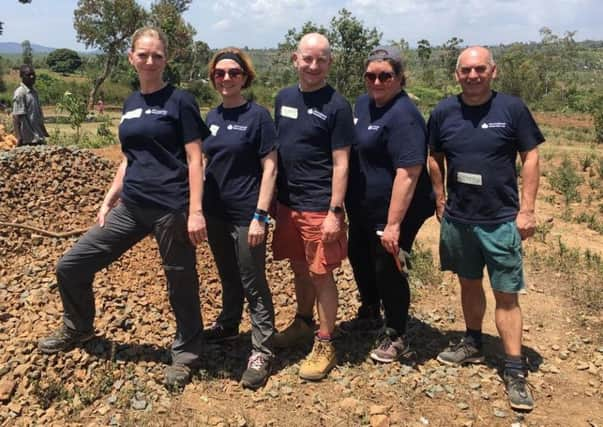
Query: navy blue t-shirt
[(481, 145), (387, 138), (240, 138), (153, 130), (310, 125)]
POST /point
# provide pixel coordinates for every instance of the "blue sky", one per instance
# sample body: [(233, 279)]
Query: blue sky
[(263, 23)]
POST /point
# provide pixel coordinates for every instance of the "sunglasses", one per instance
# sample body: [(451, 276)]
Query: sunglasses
[(233, 73), (383, 76), (480, 69)]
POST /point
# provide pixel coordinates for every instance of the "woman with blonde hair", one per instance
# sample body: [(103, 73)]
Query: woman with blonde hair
[(239, 183), (157, 189)]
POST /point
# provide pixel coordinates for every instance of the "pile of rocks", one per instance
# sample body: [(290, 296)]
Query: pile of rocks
[(7, 140)]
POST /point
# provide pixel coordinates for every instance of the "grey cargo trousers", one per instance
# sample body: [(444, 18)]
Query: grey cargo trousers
[(124, 226)]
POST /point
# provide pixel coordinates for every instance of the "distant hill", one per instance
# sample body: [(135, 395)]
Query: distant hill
[(12, 47)]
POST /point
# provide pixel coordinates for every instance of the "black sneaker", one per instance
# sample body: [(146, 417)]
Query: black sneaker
[(462, 352), (368, 319), (177, 375), (64, 339), (518, 391), (218, 333), (258, 370)]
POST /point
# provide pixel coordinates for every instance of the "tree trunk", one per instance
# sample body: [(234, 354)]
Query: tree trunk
[(109, 61)]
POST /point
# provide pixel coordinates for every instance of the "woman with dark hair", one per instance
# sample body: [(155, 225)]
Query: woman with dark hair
[(389, 197), (157, 189), (240, 175)]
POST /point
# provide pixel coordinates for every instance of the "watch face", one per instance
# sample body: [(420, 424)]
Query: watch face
[(336, 209)]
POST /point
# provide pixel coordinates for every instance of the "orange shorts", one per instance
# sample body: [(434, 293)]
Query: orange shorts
[(298, 237)]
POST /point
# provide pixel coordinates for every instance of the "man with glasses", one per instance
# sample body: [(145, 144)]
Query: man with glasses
[(315, 130), (28, 118), (475, 138)]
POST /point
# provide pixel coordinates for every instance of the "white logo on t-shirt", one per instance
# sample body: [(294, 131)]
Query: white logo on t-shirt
[(494, 125), (214, 129), (316, 113), (132, 114), (156, 112), (374, 127), (236, 127)]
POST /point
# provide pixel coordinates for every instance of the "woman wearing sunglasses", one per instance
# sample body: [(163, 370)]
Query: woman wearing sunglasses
[(239, 182), (389, 197)]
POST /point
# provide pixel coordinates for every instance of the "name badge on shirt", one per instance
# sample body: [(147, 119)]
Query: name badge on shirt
[(132, 114), (214, 129), (289, 112), (469, 178)]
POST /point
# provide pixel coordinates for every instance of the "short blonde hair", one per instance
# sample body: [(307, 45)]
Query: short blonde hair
[(244, 61), (150, 32)]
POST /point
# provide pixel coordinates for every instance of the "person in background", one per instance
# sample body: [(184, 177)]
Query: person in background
[(315, 130), (28, 118), (474, 140), (240, 176), (157, 190), (389, 197)]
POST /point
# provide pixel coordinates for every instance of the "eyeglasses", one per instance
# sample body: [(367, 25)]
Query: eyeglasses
[(233, 73), (383, 76), (479, 69)]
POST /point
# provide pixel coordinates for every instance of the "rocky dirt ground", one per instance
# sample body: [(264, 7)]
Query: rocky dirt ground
[(116, 378)]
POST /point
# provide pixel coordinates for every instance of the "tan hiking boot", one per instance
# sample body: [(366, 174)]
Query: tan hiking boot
[(319, 362), (297, 333)]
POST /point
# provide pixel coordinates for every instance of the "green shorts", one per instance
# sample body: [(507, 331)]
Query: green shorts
[(465, 249)]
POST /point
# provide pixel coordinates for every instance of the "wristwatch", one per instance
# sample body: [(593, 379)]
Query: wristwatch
[(336, 209)]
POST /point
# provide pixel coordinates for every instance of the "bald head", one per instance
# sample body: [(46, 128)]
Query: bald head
[(314, 41), (476, 52)]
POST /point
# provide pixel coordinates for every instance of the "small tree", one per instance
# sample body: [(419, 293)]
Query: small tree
[(77, 109), (597, 113), (26, 53), (63, 61)]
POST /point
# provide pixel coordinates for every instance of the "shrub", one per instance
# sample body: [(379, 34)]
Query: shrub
[(565, 180), (63, 61)]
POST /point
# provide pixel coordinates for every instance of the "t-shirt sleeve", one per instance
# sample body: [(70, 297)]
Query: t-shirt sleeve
[(266, 134), (528, 133), (406, 143), (193, 127), (19, 103), (342, 134), (433, 132)]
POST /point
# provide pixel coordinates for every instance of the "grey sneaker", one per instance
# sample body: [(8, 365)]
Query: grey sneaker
[(518, 391), (64, 339), (218, 333), (461, 353), (391, 348), (258, 370), (177, 375)]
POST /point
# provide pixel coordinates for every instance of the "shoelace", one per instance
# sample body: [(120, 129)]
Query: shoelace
[(520, 382), (386, 343), (256, 361)]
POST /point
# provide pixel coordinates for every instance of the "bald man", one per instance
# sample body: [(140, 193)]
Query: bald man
[(475, 138), (315, 130)]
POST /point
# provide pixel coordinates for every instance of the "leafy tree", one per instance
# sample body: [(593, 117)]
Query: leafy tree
[(63, 61), (424, 51), (107, 25), (452, 50), (167, 15), (75, 107), (350, 42), (26, 53)]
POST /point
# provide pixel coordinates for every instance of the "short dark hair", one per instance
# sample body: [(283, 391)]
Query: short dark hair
[(25, 70)]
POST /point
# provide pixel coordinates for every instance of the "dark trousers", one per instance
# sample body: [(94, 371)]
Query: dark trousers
[(242, 271), (375, 271), (126, 225)]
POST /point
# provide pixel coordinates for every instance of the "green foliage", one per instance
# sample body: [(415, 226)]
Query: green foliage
[(106, 25), (452, 49), (77, 109), (424, 271), (27, 53), (597, 113), (51, 88), (63, 61), (350, 43), (565, 181)]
